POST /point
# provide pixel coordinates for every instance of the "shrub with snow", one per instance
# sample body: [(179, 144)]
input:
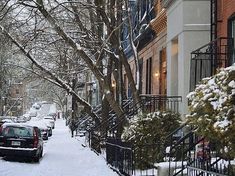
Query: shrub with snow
[(212, 108), (147, 132)]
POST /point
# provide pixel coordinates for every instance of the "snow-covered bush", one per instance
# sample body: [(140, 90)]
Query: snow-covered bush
[(212, 108), (147, 132)]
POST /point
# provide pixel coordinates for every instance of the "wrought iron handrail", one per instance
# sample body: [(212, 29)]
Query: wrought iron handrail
[(207, 59), (200, 163), (211, 43), (125, 104), (176, 130), (146, 101), (153, 103), (142, 104), (179, 141)]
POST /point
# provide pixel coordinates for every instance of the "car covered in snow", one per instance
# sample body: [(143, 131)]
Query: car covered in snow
[(1, 123), (50, 120), (21, 140), (45, 130), (49, 127)]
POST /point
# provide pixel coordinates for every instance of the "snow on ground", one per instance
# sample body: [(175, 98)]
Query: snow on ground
[(63, 156)]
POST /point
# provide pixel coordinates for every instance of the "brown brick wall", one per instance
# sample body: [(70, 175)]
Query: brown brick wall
[(16, 90), (226, 8), (151, 50)]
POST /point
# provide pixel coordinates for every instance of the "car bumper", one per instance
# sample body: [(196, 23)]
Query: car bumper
[(10, 151), (44, 136)]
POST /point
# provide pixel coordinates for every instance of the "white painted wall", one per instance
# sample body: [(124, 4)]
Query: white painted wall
[(189, 22)]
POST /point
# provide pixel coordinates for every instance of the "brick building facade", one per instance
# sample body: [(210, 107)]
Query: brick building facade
[(152, 56), (226, 14)]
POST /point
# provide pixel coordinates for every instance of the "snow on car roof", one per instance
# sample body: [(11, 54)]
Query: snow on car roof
[(40, 124), (16, 124)]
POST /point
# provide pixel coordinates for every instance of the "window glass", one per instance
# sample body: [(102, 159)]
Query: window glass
[(233, 36), (18, 131)]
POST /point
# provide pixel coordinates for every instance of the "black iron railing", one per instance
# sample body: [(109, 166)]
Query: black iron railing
[(206, 159), (143, 157), (96, 138), (191, 154), (152, 103), (131, 160), (148, 103), (119, 155), (178, 144), (206, 60)]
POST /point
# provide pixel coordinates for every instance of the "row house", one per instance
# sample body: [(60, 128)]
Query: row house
[(219, 52), (168, 45), (188, 27), (200, 40), (180, 42), (203, 31), (151, 48), (165, 46)]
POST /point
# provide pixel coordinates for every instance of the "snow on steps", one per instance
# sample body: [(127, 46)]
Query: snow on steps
[(163, 168)]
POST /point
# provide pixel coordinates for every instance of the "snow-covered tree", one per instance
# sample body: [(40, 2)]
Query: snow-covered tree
[(90, 30), (212, 108)]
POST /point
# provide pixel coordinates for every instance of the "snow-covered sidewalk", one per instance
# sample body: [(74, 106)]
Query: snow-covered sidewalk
[(63, 156)]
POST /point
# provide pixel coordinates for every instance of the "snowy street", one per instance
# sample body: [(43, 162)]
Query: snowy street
[(62, 156)]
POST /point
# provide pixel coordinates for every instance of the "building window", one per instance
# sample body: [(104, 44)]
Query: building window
[(231, 34), (148, 83), (17, 91), (163, 72), (141, 74), (146, 10)]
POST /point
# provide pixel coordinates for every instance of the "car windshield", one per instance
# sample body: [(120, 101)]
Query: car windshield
[(12, 131)]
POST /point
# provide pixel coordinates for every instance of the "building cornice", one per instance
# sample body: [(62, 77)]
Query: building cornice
[(159, 23), (166, 3)]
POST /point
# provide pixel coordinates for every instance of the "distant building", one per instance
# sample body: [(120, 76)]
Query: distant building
[(16, 99)]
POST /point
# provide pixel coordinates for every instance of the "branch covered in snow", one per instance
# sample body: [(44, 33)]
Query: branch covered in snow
[(56, 79)]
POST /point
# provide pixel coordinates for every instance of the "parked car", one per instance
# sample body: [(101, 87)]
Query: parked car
[(21, 140), (36, 106), (42, 126), (49, 127), (1, 123), (51, 120)]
